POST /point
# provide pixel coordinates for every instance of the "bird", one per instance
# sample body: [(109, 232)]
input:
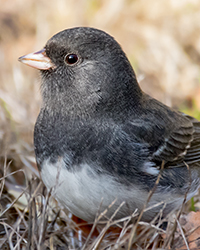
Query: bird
[(101, 143)]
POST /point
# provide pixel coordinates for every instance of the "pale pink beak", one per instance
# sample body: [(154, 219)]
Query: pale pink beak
[(37, 60)]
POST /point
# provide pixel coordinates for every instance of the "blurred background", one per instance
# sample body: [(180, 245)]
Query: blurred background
[(160, 38)]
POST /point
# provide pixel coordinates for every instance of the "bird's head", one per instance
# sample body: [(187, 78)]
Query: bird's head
[(85, 68)]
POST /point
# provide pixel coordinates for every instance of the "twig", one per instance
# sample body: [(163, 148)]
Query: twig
[(132, 234)]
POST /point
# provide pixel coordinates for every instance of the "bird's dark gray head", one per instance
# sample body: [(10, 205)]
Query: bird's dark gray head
[(89, 72)]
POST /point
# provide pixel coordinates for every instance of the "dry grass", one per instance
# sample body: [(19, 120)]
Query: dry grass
[(162, 41), (31, 219)]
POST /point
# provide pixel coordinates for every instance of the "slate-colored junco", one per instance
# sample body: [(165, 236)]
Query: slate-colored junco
[(99, 137)]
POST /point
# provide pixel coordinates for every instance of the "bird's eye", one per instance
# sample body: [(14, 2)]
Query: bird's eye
[(71, 59)]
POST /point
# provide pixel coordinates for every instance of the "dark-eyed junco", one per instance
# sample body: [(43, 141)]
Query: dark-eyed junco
[(100, 138)]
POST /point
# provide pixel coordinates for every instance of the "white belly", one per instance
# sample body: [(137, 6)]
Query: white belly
[(85, 193)]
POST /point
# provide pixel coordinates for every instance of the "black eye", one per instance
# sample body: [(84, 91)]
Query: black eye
[(71, 59)]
